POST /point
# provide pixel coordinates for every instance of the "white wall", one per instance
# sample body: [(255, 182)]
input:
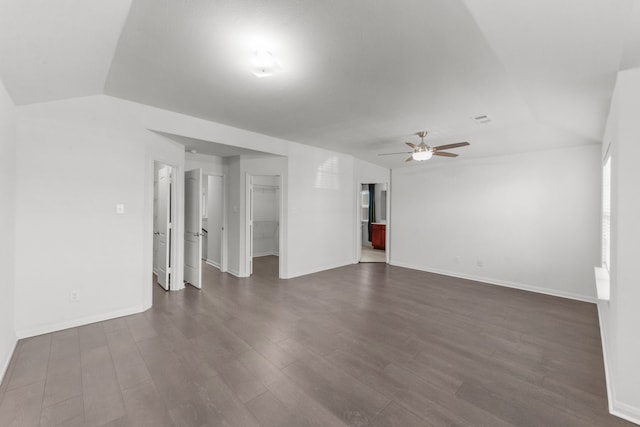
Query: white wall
[(212, 165), (7, 227), (321, 191), (528, 220), (620, 317), (75, 160), (235, 227), (97, 151)]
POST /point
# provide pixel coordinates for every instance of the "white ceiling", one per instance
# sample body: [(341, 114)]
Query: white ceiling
[(359, 76), (211, 148), (58, 49)]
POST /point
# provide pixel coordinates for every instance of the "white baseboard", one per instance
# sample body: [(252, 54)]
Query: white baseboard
[(235, 273), (621, 410), (607, 371), (261, 254), (317, 269), (505, 283), (627, 412), (32, 332), (5, 365), (213, 264)]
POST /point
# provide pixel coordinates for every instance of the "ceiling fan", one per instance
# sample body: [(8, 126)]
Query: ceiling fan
[(423, 152)]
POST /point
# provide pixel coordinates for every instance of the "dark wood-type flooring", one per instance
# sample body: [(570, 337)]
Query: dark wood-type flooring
[(362, 345)]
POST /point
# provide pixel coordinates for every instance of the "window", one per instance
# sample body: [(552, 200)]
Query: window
[(606, 213)]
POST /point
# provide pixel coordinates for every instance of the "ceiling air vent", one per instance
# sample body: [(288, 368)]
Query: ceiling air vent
[(482, 120)]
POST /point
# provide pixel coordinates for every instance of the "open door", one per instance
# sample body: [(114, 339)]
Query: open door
[(193, 227), (163, 232)]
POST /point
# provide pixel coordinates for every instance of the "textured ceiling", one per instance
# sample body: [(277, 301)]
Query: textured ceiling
[(58, 49), (201, 146), (358, 77)]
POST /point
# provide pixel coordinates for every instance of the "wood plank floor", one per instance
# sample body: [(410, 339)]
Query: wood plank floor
[(362, 345)]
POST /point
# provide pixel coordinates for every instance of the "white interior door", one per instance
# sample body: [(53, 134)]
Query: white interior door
[(163, 236), (193, 227)]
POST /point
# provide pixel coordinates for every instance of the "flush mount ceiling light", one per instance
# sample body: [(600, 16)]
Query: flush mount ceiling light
[(264, 64)]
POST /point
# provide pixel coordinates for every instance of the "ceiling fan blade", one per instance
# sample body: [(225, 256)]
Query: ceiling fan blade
[(409, 159), (444, 154), (450, 146), (411, 144), (389, 154)]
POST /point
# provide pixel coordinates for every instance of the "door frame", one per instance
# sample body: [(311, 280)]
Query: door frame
[(177, 215), (223, 241), (282, 248), (358, 248), (170, 238), (197, 278)]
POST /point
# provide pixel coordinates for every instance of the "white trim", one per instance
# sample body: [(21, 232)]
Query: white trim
[(5, 366), (627, 412), (265, 253), (505, 283), (177, 225), (223, 233), (360, 222), (319, 269), (607, 371), (27, 333), (602, 283), (282, 221), (212, 264), (235, 273), (619, 409)]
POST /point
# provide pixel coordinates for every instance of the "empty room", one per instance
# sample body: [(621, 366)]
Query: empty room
[(288, 213)]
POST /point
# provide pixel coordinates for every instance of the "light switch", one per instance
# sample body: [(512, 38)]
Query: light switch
[(120, 208)]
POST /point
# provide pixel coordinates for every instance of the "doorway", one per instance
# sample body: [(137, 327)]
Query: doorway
[(373, 231), (213, 221), (193, 233), (163, 216), (265, 213)]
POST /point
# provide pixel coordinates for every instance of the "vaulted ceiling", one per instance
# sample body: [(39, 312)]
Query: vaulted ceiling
[(356, 76)]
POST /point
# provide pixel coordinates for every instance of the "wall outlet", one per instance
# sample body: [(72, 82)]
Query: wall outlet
[(479, 263), (74, 296), (120, 208), (457, 259)]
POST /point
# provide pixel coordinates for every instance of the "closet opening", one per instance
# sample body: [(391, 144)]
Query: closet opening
[(264, 225)]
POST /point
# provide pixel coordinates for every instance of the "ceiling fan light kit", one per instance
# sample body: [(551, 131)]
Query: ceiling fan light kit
[(421, 156), (422, 151)]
